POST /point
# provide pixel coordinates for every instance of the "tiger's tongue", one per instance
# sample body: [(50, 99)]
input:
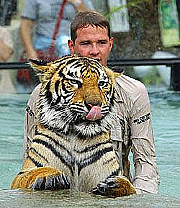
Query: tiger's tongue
[(94, 113)]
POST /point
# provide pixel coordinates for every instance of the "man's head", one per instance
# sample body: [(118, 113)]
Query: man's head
[(90, 36)]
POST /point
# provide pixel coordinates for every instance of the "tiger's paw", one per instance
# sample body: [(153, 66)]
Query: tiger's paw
[(114, 187), (45, 178)]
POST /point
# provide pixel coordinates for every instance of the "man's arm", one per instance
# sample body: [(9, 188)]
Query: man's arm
[(146, 178), (30, 120), (29, 17), (80, 5), (26, 28)]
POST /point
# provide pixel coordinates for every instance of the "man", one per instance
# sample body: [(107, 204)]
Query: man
[(40, 24), (90, 37)]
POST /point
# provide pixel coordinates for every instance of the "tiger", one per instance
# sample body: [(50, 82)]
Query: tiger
[(72, 147)]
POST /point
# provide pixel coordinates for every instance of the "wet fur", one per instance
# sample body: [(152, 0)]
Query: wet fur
[(69, 151)]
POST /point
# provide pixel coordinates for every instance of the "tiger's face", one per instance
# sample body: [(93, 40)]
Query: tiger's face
[(76, 96)]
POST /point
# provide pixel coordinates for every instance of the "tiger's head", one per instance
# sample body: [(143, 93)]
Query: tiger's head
[(75, 96)]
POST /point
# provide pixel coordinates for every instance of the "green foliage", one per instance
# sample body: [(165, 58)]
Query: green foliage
[(130, 4), (152, 78)]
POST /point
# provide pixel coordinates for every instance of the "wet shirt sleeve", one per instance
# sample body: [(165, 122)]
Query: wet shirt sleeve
[(146, 177), (30, 120)]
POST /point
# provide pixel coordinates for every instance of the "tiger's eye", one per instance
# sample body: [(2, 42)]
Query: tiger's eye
[(103, 84), (71, 81), (74, 82)]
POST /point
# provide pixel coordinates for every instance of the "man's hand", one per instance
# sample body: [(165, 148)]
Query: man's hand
[(31, 54), (76, 3)]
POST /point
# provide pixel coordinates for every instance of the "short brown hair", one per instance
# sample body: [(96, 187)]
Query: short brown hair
[(83, 19)]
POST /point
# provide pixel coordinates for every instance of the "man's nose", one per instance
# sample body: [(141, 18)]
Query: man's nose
[(94, 49)]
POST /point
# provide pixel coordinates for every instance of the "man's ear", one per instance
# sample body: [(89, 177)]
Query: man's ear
[(111, 42), (71, 46)]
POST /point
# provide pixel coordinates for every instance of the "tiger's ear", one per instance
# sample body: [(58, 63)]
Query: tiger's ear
[(117, 74), (112, 74), (44, 69)]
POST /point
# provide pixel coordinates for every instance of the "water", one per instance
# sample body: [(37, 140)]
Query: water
[(166, 123), (165, 107)]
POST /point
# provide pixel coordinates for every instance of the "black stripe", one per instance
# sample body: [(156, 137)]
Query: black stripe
[(69, 164), (56, 102), (48, 94), (63, 86), (37, 153), (106, 109), (61, 74), (54, 141), (57, 86), (93, 158), (77, 108), (108, 161), (62, 60), (115, 173), (97, 69), (66, 181), (94, 146), (76, 65), (70, 61), (36, 163)]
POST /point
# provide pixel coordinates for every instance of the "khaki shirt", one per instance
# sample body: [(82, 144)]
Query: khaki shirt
[(131, 131)]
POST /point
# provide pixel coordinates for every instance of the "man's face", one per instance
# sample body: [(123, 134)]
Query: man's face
[(92, 42)]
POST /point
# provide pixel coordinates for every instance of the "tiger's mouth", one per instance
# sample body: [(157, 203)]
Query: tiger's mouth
[(88, 112), (94, 113)]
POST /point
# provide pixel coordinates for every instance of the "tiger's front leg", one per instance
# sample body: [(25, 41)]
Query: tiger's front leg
[(43, 178), (116, 186)]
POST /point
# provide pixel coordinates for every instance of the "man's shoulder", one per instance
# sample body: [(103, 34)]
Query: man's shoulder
[(131, 91), (36, 89), (129, 84), (35, 94), (128, 88)]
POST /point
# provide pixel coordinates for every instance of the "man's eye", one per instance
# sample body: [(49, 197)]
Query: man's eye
[(103, 42), (84, 43)]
